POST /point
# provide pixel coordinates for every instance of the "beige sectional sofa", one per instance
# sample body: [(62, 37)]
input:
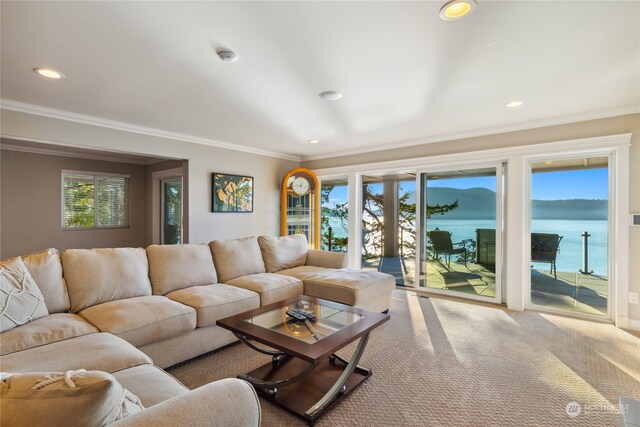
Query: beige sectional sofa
[(130, 312)]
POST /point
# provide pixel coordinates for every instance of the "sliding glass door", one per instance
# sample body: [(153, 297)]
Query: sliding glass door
[(569, 211), (388, 224), (334, 220), (460, 213)]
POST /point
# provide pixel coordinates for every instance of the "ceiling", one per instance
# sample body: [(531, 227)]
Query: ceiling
[(407, 76)]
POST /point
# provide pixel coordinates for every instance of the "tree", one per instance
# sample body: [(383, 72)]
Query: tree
[(79, 200), (372, 221), (341, 211)]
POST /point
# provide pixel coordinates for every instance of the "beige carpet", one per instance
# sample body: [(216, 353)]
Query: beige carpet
[(446, 363)]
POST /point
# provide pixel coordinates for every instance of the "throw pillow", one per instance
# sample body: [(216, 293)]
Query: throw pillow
[(236, 257), (280, 253), (83, 398), (45, 268), (20, 298)]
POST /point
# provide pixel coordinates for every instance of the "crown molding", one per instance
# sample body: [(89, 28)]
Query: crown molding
[(76, 155), (593, 145), (21, 107), (532, 124)]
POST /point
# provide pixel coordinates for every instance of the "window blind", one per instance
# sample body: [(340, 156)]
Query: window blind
[(94, 200)]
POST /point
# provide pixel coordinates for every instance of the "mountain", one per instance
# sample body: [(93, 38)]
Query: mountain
[(479, 203), (473, 203), (570, 209)]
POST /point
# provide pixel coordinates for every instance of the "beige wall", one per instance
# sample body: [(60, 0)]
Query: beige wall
[(30, 208), (204, 225), (601, 127)]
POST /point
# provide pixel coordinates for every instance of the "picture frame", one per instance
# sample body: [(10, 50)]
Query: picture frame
[(231, 193)]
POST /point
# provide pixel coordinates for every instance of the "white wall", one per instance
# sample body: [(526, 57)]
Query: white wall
[(203, 160)]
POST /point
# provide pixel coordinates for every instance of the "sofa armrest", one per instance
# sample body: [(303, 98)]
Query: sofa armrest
[(226, 403), (319, 258)]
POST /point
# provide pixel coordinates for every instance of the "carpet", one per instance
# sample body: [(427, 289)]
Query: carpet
[(440, 362)]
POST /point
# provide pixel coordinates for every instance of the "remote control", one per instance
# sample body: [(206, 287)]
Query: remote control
[(308, 315), (301, 315), (296, 315)]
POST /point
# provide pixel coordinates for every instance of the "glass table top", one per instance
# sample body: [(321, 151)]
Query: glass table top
[(320, 320)]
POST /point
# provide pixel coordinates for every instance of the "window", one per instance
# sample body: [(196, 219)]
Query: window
[(91, 200)]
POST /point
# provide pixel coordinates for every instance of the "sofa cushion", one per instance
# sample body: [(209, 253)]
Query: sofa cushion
[(20, 299), (173, 267), (347, 286), (270, 286), (102, 352), (79, 397), (150, 383), (215, 302), (237, 257), (45, 330), (46, 269), (142, 320), (327, 259), (95, 276), (279, 253)]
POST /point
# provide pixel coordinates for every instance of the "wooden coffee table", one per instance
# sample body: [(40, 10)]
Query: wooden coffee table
[(305, 375)]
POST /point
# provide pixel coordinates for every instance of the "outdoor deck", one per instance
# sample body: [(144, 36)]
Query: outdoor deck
[(570, 292)]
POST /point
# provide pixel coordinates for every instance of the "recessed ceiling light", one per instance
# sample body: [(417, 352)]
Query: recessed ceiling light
[(314, 141), (514, 104), (457, 9), (48, 72), (330, 95)]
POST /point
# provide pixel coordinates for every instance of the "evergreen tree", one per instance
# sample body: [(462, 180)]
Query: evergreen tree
[(372, 222)]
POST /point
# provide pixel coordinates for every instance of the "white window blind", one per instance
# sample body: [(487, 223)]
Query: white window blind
[(94, 200)]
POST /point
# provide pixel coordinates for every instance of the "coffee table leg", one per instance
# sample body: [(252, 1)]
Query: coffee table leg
[(273, 353), (338, 387), (336, 357), (272, 386)]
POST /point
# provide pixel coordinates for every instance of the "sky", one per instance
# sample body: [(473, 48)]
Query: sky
[(575, 184), (466, 182)]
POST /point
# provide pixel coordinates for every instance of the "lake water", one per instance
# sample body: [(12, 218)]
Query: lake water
[(570, 256)]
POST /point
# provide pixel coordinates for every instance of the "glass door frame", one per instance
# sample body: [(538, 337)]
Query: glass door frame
[(500, 226), (163, 181), (611, 234), (354, 217)]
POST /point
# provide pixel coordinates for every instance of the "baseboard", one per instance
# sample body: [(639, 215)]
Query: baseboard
[(625, 322)]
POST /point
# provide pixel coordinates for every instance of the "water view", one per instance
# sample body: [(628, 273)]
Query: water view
[(570, 254), (569, 257)]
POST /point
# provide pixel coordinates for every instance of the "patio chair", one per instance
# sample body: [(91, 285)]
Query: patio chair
[(441, 241), (545, 248)]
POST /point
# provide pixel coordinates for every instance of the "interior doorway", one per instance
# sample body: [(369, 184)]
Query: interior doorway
[(168, 200)]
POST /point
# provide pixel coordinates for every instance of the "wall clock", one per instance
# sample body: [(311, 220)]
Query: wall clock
[(301, 205)]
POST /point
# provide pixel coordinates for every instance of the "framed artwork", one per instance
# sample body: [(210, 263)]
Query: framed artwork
[(231, 193)]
